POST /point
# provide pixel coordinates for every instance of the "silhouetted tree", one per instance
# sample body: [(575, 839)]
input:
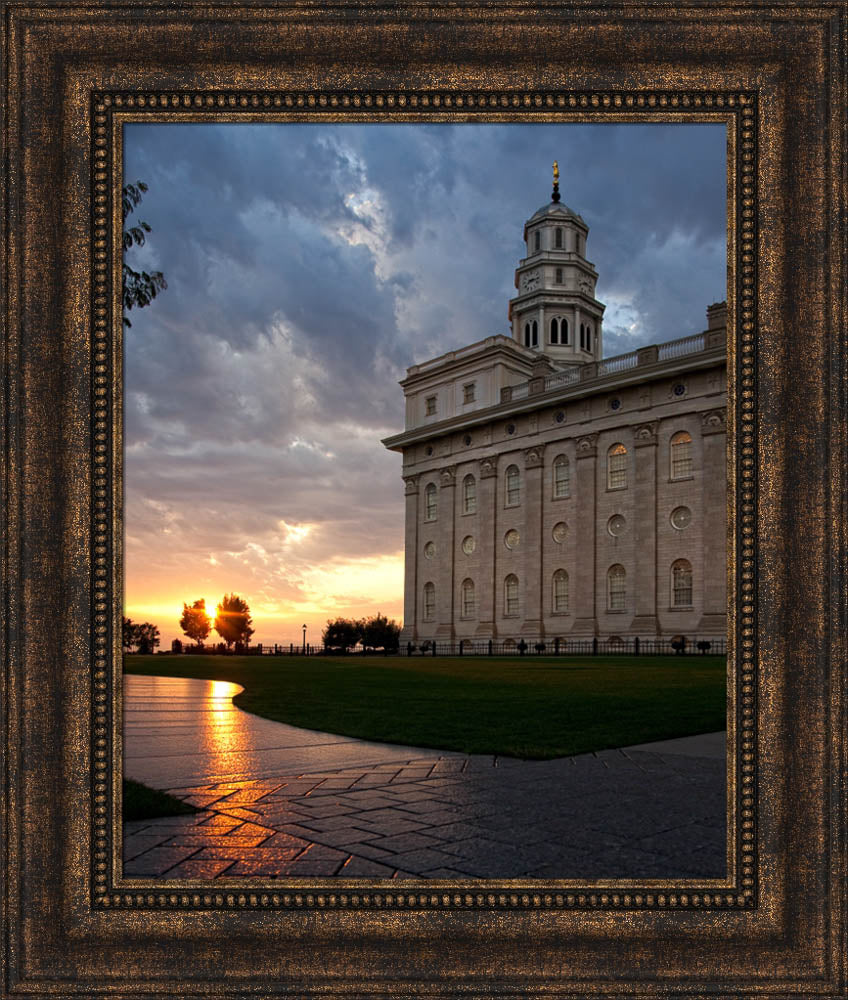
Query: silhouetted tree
[(233, 621), (148, 637), (343, 633), (144, 636), (195, 622), (380, 633), (139, 287)]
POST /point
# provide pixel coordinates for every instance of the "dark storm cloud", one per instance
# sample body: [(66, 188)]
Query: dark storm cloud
[(308, 266)]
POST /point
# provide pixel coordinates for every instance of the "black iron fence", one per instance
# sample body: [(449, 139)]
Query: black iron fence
[(589, 646)]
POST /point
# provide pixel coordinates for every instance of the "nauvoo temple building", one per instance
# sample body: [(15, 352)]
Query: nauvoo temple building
[(554, 493)]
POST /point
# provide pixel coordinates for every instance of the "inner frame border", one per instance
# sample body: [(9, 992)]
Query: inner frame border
[(109, 111)]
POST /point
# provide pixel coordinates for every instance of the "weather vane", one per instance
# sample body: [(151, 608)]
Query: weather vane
[(555, 195)]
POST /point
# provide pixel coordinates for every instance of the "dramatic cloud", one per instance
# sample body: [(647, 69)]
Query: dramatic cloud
[(308, 266)]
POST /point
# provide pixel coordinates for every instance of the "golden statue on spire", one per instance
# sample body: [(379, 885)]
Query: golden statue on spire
[(556, 172), (555, 192)]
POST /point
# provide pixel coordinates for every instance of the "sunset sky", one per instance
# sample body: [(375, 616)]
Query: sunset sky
[(308, 266)]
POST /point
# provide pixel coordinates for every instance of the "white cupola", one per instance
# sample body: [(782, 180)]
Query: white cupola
[(555, 311)]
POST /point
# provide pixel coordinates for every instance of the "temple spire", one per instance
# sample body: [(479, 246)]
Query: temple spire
[(555, 194)]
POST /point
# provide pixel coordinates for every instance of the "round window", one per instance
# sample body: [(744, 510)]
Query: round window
[(510, 428), (559, 417), (615, 404), (511, 539), (428, 450), (680, 517), (467, 439), (468, 544), (560, 531), (679, 389), (616, 525), (429, 550)]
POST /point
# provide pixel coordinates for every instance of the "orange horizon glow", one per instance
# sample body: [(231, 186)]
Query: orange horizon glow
[(355, 588)]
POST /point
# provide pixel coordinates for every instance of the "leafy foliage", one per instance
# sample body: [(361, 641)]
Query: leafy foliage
[(195, 622), (140, 288), (233, 621), (343, 634), (143, 637), (376, 632), (380, 633)]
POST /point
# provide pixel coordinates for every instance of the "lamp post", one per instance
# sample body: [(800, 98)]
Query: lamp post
[(304, 640)]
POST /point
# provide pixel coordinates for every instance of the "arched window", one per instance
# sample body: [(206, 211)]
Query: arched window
[(562, 477), (681, 584), (429, 602), (681, 455), (588, 337), (538, 240), (554, 331), (535, 334), (469, 607), (558, 239), (526, 334), (582, 337), (558, 278), (617, 467), (431, 503), (513, 486), (559, 600), (616, 588), (469, 495), (563, 331), (511, 596)]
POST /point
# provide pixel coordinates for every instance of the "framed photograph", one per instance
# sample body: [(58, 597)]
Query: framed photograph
[(562, 711)]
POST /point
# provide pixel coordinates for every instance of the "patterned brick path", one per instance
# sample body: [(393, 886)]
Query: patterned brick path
[(654, 811)]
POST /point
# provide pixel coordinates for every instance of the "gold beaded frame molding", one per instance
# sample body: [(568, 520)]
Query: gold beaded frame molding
[(775, 77)]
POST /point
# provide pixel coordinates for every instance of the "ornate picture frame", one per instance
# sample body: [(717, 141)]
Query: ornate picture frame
[(776, 77)]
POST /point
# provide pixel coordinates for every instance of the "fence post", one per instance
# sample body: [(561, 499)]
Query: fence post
[(434, 647), (594, 645), (490, 647), (461, 641), (636, 646), (291, 648), (556, 646)]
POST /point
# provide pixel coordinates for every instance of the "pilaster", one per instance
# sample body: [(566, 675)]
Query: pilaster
[(487, 493), (533, 561), (714, 441), (586, 475), (445, 585), (409, 632), (645, 622)]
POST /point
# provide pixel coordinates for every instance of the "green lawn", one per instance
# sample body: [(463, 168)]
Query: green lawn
[(530, 707), (141, 802)]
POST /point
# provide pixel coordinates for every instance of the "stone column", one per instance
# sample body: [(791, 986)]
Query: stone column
[(644, 588), (446, 556), (714, 537), (532, 543), (487, 494), (585, 611), (411, 583)]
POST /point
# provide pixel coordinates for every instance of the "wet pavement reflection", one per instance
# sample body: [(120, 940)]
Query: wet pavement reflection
[(281, 802)]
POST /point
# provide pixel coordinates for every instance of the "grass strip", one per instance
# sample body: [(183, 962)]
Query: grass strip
[(528, 707)]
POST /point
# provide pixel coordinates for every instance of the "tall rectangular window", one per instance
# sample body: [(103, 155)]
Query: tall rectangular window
[(430, 406), (468, 393)]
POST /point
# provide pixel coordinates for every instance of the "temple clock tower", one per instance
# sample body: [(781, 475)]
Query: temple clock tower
[(555, 311)]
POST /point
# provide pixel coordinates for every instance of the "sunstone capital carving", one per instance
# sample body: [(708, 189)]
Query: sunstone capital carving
[(411, 483), (488, 466), (533, 458), (448, 476), (645, 434), (587, 446), (712, 422)]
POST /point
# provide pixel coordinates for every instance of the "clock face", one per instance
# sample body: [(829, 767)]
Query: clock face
[(531, 281)]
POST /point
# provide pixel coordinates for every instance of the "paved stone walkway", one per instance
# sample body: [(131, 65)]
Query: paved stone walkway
[(302, 804)]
